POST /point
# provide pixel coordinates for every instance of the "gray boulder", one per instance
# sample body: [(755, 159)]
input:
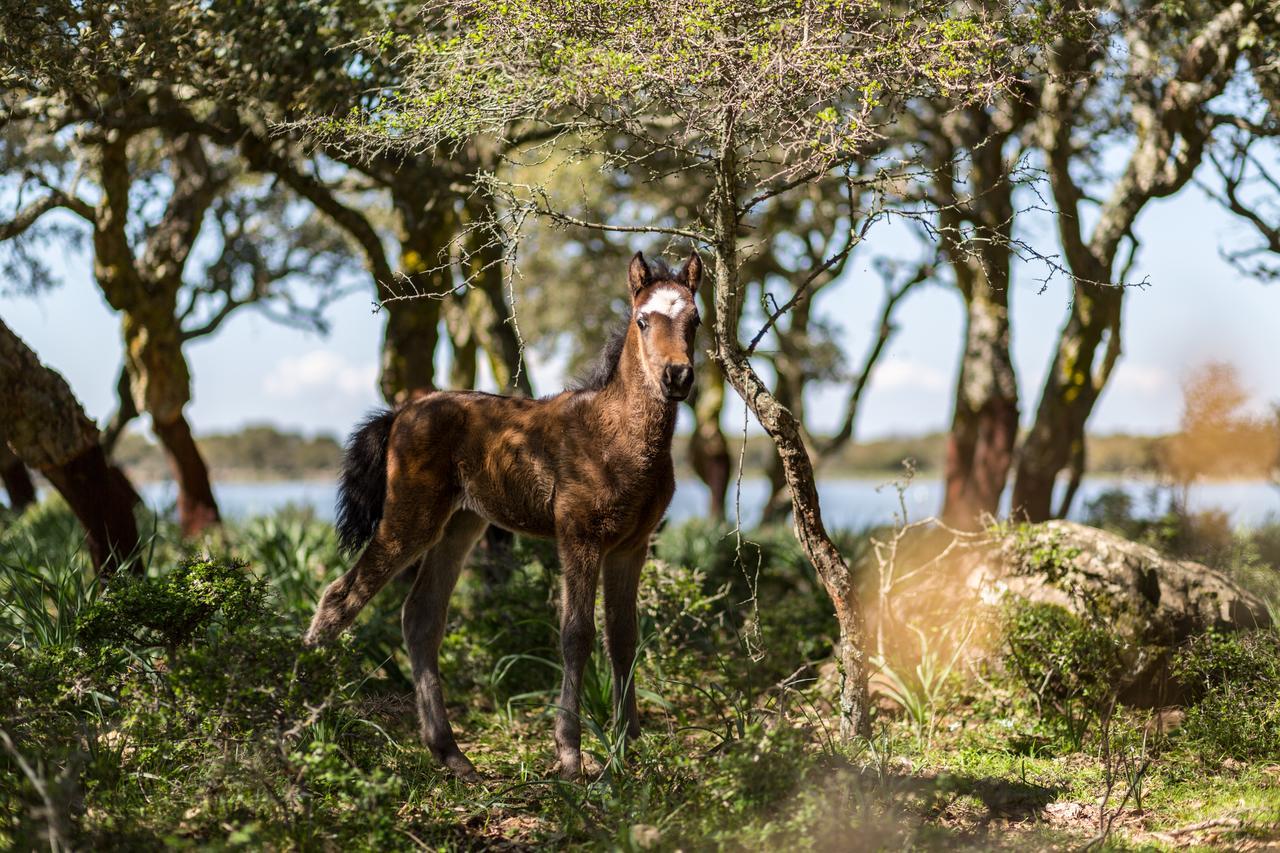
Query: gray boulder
[(1154, 603)]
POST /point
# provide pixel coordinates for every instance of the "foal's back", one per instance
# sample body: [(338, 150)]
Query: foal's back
[(505, 457)]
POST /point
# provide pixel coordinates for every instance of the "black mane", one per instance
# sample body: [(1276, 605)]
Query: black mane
[(605, 366)]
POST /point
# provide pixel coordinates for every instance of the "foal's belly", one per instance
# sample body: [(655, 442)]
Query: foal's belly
[(521, 502)]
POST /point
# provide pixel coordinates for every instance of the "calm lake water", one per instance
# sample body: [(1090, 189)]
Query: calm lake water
[(846, 503)]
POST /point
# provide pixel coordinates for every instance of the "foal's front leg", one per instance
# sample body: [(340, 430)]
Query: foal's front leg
[(621, 583), (581, 562)]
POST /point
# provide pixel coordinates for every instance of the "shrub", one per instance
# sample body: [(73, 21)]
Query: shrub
[(1070, 666), (167, 611), (1234, 680), (502, 637)]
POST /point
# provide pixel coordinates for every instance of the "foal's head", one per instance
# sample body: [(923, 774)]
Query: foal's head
[(664, 318)]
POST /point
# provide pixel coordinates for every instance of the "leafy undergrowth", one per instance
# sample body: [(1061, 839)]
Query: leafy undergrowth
[(178, 710)]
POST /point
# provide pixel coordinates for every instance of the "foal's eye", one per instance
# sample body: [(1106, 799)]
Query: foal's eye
[(642, 323)]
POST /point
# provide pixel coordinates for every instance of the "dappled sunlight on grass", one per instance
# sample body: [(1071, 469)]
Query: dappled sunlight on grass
[(180, 710)]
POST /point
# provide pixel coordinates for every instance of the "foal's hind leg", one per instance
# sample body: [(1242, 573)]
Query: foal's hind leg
[(410, 525), (423, 618)]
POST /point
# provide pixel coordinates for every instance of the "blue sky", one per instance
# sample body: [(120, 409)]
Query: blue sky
[(1196, 308)]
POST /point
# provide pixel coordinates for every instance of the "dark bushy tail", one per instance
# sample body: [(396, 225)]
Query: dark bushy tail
[(362, 485)]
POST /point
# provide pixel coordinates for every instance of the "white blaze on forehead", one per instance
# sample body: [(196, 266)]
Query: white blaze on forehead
[(669, 301)]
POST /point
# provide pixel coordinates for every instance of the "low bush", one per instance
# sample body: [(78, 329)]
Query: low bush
[(1234, 680), (1069, 666)]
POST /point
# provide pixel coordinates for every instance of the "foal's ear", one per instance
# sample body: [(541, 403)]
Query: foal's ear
[(691, 273), (638, 275)]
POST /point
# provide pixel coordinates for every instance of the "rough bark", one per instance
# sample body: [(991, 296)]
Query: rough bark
[(976, 224), (708, 448), (1070, 392), (16, 479), (48, 430), (984, 425), (197, 509), (784, 429), (414, 311), (144, 289), (788, 388), (1152, 603)]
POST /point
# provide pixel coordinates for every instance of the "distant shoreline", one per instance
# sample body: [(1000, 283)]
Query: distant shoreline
[(880, 476), (263, 454)]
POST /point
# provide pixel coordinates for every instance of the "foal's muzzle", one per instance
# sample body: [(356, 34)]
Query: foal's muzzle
[(677, 381)]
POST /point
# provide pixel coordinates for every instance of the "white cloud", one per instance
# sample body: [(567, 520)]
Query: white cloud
[(907, 375), (1134, 378), (320, 371)]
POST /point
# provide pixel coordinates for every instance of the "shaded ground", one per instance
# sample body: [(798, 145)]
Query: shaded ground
[(222, 736)]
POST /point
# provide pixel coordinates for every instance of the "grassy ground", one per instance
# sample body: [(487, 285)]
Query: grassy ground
[(179, 711)]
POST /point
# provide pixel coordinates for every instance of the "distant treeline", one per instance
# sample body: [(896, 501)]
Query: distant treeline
[(266, 453), (253, 453)]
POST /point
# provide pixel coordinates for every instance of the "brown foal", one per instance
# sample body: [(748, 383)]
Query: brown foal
[(590, 467)]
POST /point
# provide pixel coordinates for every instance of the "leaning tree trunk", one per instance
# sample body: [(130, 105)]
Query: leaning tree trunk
[(162, 388), (16, 479), (984, 426), (1070, 391), (1171, 137), (145, 292), (197, 509), (789, 391), (784, 429), (47, 429), (778, 503), (836, 578)]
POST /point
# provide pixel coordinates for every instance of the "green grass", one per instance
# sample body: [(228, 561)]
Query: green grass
[(180, 711)]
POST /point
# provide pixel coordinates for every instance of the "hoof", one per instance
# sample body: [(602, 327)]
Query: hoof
[(583, 768), (315, 637), (460, 766), (591, 769), (568, 771)]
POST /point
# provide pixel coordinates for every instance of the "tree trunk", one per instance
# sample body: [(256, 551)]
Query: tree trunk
[(496, 325), (197, 509), (102, 499), (708, 449), (162, 388), (414, 303), (984, 426), (460, 321), (16, 479), (47, 429), (145, 292), (789, 391), (1170, 140), (1071, 389), (784, 429)]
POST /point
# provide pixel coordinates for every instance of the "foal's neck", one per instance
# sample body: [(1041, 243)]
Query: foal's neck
[(637, 419)]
